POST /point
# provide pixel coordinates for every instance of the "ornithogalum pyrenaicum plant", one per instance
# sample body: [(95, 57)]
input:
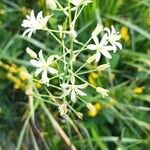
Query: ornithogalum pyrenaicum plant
[(72, 85)]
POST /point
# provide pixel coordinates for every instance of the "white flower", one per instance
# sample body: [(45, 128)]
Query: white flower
[(63, 109), (77, 3), (32, 23), (102, 91), (100, 47), (73, 89), (113, 38), (43, 67)]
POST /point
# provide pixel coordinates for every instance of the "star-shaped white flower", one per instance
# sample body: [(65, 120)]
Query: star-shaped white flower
[(101, 47), (78, 3), (32, 23), (113, 38), (43, 67), (73, 89)]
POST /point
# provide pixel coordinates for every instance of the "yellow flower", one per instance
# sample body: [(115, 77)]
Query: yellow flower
[(12, 69), (93, 77), (97, 107), (22, 76), (91, 80), (125, 35), (138, 90), (92, 113)]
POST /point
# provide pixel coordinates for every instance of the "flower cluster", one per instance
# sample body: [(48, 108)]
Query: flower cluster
[(109, 42), (71, 84)]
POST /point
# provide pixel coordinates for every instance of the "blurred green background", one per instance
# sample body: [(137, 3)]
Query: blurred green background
[(121, 122)]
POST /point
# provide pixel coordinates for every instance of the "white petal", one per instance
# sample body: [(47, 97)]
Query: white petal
[(64, 85), (82, 86), (113, 29), (97, 30), (92, 47), (97, 56), (106, 54), (35, 63), (44, 76), (41, 56), (30, 34), (104, 40), (96, 40), (50, 59), (52, 70), (72, 79), (118, 44), (26, 32), (107, 30), (39, 16), (38, 71), (73, 96), (79, 92)]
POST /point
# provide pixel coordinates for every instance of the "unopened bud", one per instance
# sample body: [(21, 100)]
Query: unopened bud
[(31, 52)]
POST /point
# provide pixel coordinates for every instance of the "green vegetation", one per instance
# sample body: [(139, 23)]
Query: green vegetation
[(121, 121)]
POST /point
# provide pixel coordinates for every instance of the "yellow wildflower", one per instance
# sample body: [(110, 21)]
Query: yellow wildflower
[(92, 113), (12, 69), (92, 78), (138, 90), (125, 35), (97, 107), (22, 76)]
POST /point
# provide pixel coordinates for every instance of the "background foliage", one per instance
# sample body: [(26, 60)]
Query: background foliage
[(121, 121)]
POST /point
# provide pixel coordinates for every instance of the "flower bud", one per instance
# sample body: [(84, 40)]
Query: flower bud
[(31, 52), (63, 109), (51, 4), (79, 115), (73, 33), (91, 107), (103, 67), (102, 91)]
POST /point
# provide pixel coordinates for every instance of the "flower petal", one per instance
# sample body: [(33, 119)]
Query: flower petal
[(52, 70), (50, 59), (97, 56), (73, 96), (82, 86), (38, 71), (35, 63), (106, 54), (79, 92), (41, 56), (92, 47), (44, 78)]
